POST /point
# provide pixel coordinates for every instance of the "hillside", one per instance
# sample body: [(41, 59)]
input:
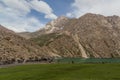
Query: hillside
[(91, 35), (16, 49)]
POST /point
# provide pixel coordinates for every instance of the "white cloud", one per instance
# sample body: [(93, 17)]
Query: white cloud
[(105, 7), (21, 24), (43, 7), (69, 14), (51, 16), (18, 6), (13, 14)]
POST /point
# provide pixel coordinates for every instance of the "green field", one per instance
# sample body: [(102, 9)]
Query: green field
[(61, 72)]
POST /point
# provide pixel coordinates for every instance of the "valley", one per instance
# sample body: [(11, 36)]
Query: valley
[(59, 40)]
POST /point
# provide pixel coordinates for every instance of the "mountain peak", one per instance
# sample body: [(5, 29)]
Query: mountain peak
[(62, 18), (91, 15), (56, 24)]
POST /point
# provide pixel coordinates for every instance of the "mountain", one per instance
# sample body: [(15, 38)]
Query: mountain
[(91, 35), (15, 49)]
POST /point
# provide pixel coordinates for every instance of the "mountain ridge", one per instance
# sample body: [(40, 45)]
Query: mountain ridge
[(90, 36)]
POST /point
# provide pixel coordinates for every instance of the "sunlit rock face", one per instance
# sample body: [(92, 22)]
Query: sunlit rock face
[(91, 35), (15, 49)]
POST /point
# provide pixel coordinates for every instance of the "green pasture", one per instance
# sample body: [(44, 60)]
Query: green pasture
[(61, 72)]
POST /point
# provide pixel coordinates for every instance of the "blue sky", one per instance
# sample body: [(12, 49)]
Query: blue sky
[(31, 15), (60, 7)]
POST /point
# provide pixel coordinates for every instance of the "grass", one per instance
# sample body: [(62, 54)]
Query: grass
[(61, 72)]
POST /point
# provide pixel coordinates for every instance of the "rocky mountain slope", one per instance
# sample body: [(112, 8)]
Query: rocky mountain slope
[(91, 35), (14, 49)]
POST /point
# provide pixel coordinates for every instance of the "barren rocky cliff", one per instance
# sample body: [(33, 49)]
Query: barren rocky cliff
[(16, 49), (90, 36)]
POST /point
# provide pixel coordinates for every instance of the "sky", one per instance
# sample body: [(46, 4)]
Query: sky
[(32, 15)]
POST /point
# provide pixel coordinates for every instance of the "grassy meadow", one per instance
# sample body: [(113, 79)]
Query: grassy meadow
[(61, 72)]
